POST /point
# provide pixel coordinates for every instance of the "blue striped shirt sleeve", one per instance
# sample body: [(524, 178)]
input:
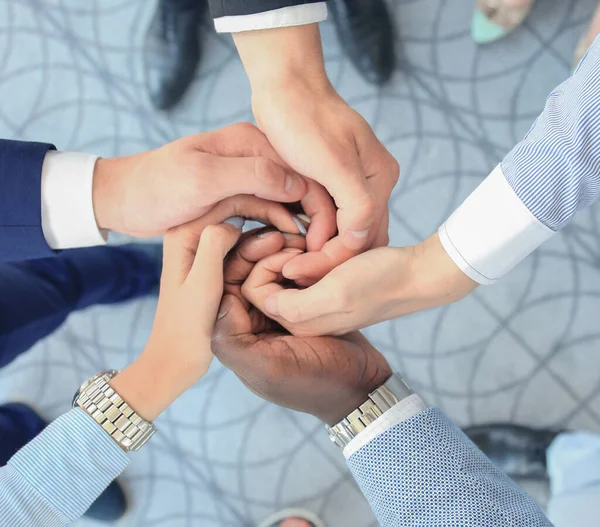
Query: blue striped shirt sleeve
[(555, 170), (55, 478)]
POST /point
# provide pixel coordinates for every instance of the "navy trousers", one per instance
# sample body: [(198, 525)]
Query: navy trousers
[(36, 296)]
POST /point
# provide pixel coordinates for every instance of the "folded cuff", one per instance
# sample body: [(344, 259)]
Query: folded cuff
[(492, 231), (298, 15), (404, 409), (68, 219)]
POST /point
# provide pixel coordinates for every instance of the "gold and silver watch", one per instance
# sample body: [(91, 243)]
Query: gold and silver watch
[(97, 398), (380, 401)]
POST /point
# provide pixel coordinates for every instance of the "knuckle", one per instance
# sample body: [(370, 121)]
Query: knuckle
[(394, 169), (268, 172), (247, 291), (292, 312), (245, 127), (213, 235)]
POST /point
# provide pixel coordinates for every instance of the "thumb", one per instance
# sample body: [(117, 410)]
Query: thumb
[(233, 319), (349, 187), (232, 338)]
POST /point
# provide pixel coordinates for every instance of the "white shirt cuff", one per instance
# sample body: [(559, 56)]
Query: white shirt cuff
[(298, 15), (492, 231), (404, 409), (68, 219)]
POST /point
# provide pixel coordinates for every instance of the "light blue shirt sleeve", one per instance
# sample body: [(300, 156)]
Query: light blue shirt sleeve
[(55, 478), (555, 169), (538, 187), (424, 471)]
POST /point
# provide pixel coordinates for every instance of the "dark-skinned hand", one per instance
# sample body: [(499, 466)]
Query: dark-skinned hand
[(327, 377)]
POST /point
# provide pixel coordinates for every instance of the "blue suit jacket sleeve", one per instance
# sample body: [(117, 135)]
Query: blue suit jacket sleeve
[(21, 235), (425, 472)]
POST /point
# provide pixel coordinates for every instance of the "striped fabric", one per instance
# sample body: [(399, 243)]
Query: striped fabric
[(555, 170), (55, 478)]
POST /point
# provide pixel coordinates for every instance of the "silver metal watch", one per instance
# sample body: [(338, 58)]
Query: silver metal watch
[(97, 398), (382, 399)]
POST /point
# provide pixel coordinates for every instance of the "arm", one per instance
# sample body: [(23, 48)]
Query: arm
[(535, 191), (319, 136), (539, 186), (418, 468), (234, 16), (60, 200), (412, 463), (54, 479)]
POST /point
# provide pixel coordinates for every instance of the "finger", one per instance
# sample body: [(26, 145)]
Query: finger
[(382, 238), (259, 176), (307, 268), (239, 262), (233, 320), (249, 207), (205, 279), (349, 187), (319, 207), (298, 306), (264, 279)]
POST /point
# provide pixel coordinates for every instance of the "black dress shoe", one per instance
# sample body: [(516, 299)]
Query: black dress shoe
[(172, 50), (366, 33), (110, 506), (517, 450)]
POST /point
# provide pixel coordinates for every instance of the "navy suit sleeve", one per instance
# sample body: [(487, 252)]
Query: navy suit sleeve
[(21, 235), (220, 8)]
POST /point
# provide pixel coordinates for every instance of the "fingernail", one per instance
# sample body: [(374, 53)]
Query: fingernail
[(300, 226), (266, 234), (292, 250), (359, 235), (291, 180), (237, 221), (304, 218), (289, 236), (355, 239), (224, 308), (271, 306)]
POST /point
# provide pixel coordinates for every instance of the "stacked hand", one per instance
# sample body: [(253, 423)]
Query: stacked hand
[(325, 376), (319, 136)]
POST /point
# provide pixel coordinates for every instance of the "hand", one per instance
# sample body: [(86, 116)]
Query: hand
[(146, 194), (325, 376), (318, 135), (378, 285), (178, 351)]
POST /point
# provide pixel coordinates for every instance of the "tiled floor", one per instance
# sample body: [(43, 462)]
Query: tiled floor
[(525, 350)]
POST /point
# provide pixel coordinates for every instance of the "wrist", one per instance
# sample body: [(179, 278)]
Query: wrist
[(434, 279), (154, 381), (295, 54), (103, 194), (359, 396)]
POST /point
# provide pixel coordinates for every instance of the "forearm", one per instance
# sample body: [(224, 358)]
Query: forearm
[(278, 58), (55, 478), (237, 15), (422, 470), (538, 187)]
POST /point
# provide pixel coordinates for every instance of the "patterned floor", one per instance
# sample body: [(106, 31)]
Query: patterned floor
[(523, 350)]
